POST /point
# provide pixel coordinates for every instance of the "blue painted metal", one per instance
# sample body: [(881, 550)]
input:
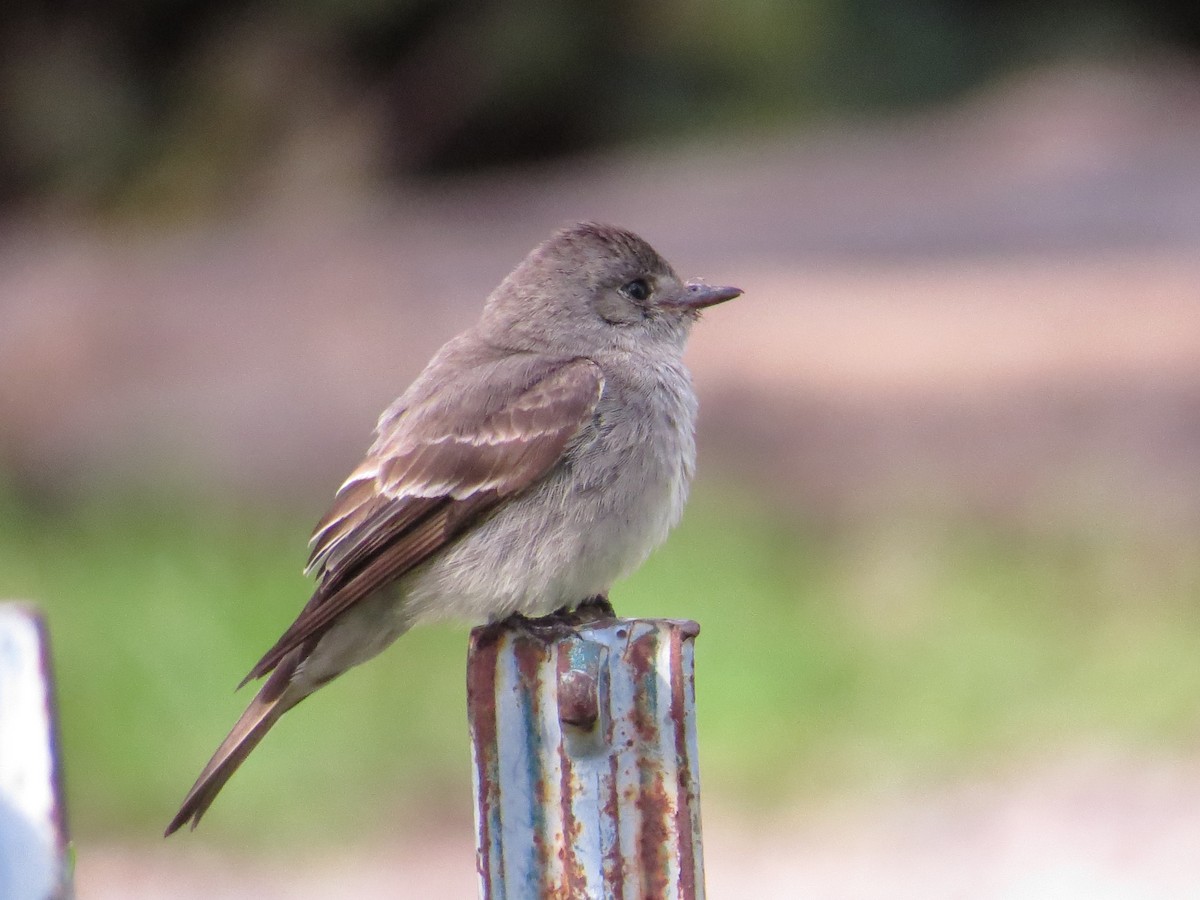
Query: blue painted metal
[(34, 852), (584, 744)]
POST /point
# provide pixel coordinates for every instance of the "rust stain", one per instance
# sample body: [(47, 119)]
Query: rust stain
[(651, 801), (641, 655), (641, 659), (481, 706), (530, 655), (575, 877), (614, 862), (686, 794), (653, 840), (535, 659), (481, 689)]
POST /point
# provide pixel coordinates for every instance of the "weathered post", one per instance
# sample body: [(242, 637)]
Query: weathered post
[(585, 761), (34, 852)]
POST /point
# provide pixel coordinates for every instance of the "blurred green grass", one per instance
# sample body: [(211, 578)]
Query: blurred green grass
[(831, 658)]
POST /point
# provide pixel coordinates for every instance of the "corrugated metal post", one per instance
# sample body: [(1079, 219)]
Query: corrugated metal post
[(584, 744), (34, 852)]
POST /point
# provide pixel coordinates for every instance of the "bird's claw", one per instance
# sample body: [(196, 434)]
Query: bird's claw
[(564, 621)]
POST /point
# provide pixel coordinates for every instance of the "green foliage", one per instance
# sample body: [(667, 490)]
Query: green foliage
[(828, 659)]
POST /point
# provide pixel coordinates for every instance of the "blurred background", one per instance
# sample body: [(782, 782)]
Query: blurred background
[(943, 543)]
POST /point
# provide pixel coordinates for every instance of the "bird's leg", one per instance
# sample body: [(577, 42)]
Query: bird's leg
[(594, 608)]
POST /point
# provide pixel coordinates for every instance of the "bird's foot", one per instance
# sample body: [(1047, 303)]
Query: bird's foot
[(593, 610), (590, 610), (564, 621)]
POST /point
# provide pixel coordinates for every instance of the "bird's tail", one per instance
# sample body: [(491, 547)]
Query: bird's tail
[(275, 698)]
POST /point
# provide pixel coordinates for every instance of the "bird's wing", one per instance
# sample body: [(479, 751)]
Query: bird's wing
[(436, 467)]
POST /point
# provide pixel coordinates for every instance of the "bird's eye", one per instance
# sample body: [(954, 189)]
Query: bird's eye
[(637, 289)]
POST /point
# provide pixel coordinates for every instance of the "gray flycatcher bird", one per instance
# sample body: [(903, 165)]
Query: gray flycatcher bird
[(540, 456)]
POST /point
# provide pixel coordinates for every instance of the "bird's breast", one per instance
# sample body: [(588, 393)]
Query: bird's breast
[(630, 476)]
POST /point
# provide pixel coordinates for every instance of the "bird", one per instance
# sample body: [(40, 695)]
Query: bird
[(540, 456)]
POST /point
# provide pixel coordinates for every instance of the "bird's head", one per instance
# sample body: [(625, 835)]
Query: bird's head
[(596, 287)]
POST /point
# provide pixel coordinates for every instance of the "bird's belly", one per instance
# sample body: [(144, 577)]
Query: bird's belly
[(558, 545)]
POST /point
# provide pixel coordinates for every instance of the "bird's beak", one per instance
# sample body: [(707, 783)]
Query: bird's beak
[(697, 295)]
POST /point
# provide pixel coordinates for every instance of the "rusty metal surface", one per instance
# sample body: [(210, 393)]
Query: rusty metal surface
[(585, 761), (34, 851)]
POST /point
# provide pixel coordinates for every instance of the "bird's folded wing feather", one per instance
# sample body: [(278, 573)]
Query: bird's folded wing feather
[(436, 466)]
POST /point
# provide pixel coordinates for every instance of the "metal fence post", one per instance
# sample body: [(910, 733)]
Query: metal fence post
[(34, 852), (585, 761)]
